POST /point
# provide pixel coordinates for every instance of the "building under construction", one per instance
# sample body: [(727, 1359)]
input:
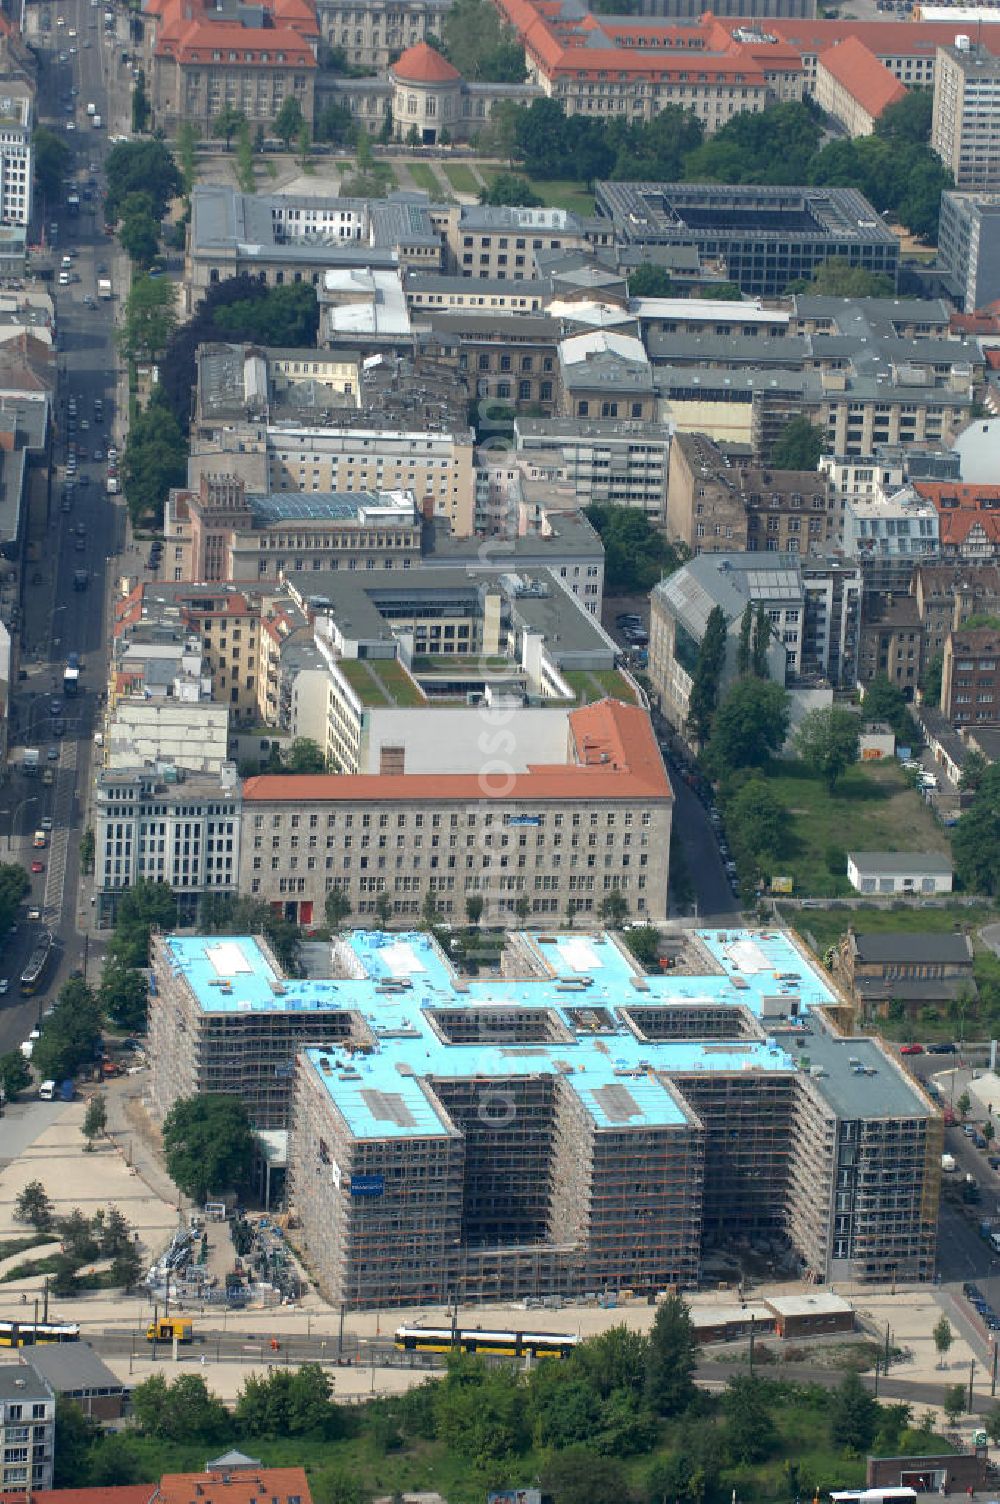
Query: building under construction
[(572, 1126)]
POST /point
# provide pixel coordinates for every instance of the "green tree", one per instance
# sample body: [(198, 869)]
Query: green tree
[(139, 231), (337, 906), (51, 159), (672, 1359), (775, 145), (480, 46), (474, 905), (498, 137), (761, 642), (155, 461), (884, 701), (757, 824), (78, 1239), (510, 188), (124, 996), (246, 174), (335, 123), (614, 1360), (87, 851), (126, 1268), (614, 908), (643, 940), (187, 161), (75, 1437), (828, 741), (943, 1338), (285, 316), (305, 756), (227, 123), (288, 1402), (636, 555), (837, 278), (208, 1144), (854, 1415), (144, 167), (150, 318), (973, 771), (750, 1433), (575, 1476), (413, 137), (33, 1206), (649, 281), (14, 1075), (908, 121), (95, 1119), (383, 910), (930, 686), (70, 1034), (799, 446), (140, 105), (953, 1403), (289, 121), (963, 1104), (749, 726), (182, 1410), (707, 674), (991, 1424), (976, 839), (746, 633)]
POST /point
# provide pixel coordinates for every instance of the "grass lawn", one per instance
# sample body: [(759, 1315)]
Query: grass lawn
[(561, 193), (426, 178), (872, 808), (461, 178), (828, 926), (595, 684)]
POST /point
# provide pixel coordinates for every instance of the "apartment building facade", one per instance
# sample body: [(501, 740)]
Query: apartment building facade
[(623, 461), (165, 825), (965, 127), (27, 1430), (970, 677), (714, 506), (16, 175), (969, 247)]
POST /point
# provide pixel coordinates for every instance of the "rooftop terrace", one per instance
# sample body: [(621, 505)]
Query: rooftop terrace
[(573, 1019)]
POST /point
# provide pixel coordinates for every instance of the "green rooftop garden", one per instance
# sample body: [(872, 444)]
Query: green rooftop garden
[(381, 681), (589, 684)]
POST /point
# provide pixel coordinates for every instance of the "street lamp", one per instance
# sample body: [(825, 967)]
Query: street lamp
[(21, 804)]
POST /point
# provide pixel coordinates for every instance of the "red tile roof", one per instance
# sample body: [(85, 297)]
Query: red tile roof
[(883, 38), (258, 1485), (422, 65), (121, 1493), (252, 45), (613, 744), (980, 322), (961, 508), (856, 68)]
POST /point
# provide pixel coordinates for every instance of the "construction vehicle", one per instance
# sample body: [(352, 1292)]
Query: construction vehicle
[(167, 1328)]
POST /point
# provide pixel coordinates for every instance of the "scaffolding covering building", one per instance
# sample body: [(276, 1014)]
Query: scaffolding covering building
[(569, 1126)]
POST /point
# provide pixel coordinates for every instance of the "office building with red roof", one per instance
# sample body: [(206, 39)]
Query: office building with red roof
[(201, 60), (854, 86), (968, 519)]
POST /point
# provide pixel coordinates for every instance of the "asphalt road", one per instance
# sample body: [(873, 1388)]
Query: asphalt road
[(58, 619)]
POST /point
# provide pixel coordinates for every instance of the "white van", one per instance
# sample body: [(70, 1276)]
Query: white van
[(47, 1091)]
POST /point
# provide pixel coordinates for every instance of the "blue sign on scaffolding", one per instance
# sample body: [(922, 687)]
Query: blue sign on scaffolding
[(367, 1185)]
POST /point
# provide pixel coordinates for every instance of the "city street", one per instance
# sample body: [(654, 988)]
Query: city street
[(58, 618)]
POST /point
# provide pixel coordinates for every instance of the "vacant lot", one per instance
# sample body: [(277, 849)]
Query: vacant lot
[(873, 808)]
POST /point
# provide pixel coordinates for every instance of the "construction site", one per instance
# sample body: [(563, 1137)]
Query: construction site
[(571, 1127)]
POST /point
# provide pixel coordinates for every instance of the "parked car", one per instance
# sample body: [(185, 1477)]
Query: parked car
[(942, 1049), (911, 1049)]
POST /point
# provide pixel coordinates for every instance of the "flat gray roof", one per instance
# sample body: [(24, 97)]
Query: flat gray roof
[(572, 536), (858, 1079), (73, 1366), (894, 945), (900, 863), (19, 1382)]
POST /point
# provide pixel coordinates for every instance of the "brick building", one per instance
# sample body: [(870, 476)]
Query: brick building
[(970, 678)]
